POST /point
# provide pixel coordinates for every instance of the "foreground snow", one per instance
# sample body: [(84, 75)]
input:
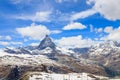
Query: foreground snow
[(70, 76), (53, 76)]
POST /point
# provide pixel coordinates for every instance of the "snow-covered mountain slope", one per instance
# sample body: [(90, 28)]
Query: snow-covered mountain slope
[(42, 54), (94, 59), (105, 48), (45, 47), (105, 53), (48, 47), (23, 59)]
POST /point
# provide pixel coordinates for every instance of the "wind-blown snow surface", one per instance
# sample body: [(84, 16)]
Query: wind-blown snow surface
[(70, 76), (53, 76)]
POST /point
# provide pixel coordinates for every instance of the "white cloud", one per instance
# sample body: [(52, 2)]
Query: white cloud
[(15, 43), (34, 44), (56, 31), (74, 41), (109, 9), (89, 2), (108, 29), (16, 1), (83, 14), (19, 1), (3, 43), (74, 25), (61, 1), (36, 32), (113, 34), (98, 30), (97, 39), (75, 1), (91, 28), (25, 40), (0, 37), (5, 38), (8, 38), (42, 16)]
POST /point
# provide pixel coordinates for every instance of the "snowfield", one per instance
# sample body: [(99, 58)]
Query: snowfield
[(53, 76), (70, 76)]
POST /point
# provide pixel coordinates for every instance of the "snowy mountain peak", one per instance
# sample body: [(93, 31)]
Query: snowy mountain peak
[(46, 42), (107, 44)]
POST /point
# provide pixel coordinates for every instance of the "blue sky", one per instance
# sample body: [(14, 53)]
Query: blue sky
[(70, 23)]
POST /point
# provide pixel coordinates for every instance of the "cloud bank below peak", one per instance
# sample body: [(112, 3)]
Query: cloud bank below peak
[(74, 42)]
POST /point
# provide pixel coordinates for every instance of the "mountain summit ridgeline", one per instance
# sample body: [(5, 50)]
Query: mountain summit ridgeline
[(46, 42)]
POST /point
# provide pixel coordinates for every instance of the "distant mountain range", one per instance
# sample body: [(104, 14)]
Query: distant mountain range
[(100, 59)]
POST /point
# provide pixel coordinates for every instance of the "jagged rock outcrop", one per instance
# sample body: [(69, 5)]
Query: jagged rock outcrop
[(46, 42)]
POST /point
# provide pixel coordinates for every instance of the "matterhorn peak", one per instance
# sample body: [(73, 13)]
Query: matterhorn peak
[(46, 42)]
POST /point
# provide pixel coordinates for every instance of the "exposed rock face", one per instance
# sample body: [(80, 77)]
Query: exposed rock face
[(46, 42), (14, 74)]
